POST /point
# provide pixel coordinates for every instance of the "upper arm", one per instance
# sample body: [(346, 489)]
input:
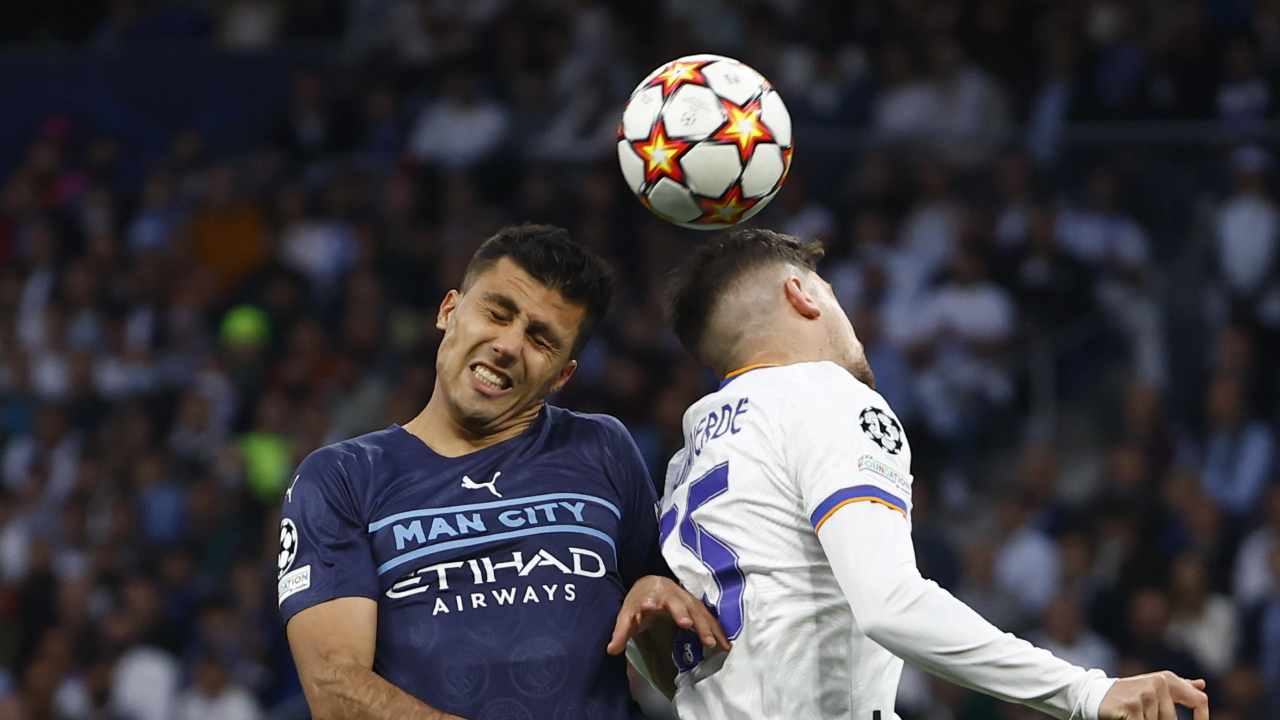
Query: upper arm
[(848, 447), (334, 634), (325, 551)]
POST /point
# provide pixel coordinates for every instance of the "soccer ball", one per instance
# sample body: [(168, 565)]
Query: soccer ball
[(705, 142)]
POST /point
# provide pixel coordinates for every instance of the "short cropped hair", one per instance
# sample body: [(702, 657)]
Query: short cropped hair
[(695, 286), (554, 259)]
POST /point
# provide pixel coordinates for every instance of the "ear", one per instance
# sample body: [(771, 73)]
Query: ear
[(565, 373), (447, 306), (801, 301)]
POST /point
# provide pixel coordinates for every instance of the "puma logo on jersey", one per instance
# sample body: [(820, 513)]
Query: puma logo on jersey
[(469, 484)]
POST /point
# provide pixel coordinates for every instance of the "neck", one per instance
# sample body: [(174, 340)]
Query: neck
[(771, 356), (437, 428)]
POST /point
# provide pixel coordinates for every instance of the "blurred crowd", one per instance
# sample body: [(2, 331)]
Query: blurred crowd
[(1072, 325)]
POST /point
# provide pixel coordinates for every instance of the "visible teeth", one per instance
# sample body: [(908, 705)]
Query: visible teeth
[(489, 377)]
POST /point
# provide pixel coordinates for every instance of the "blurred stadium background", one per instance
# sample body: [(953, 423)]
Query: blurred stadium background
[(225, 227)]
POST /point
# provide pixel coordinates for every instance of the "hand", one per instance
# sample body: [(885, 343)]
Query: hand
[(652, 597), (1153, 697)]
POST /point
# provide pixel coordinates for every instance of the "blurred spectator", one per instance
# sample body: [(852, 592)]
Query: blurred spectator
[(979, 588), (461, 128), (226, 231), (966, 326), (145, 682), (1240, 450), (908, 106), (1247, 229), (1253, 579), (1269, 633), (250, 24), (1148, 645), (1065, 635), (1244, 96), (313, 125), (974, 114), (1027, 565), (214, 697), (1203, 622)]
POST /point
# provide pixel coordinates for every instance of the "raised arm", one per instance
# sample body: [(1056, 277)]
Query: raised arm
[(869, 547), (332, 646), (852, 468)]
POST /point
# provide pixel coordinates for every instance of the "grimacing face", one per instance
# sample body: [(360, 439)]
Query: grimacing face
[(506, 347)]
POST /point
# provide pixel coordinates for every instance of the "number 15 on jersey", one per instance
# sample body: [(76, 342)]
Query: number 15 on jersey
[(719, 559)]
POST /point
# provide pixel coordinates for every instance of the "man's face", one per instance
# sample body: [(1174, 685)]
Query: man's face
[(846, 347), (506, 347)]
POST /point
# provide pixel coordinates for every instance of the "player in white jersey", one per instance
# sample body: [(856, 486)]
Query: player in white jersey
[(789, 512)]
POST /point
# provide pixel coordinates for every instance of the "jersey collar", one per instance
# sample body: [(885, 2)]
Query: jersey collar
[(742, 371)]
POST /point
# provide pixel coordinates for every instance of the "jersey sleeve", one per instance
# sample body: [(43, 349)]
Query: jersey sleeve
[(324, 544), (640, 554), (846, 446)]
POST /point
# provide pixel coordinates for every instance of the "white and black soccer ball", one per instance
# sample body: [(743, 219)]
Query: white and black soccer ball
[(705, 142), (288, 546)]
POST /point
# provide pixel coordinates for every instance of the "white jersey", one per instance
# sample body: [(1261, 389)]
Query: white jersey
[(767, 459), (822, 602)]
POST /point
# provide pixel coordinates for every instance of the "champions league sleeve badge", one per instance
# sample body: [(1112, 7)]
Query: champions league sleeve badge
[(295, 581), (883, 429), (288, 547)]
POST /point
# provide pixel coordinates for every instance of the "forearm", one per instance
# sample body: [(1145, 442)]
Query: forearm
[(871, 555), (351, 692)]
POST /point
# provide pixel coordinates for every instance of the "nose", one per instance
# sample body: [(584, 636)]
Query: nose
[(506, 345)]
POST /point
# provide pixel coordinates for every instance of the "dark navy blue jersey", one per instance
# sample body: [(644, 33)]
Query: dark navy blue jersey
[(498, 575)]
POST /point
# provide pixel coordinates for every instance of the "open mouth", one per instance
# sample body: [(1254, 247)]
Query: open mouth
[(490, 378)]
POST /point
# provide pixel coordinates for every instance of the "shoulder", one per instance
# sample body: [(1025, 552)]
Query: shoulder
[(348, 465), (589, 426), (806, 387)]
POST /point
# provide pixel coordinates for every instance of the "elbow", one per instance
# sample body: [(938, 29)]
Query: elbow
[(874, 624), (325, 691), (879, 614)]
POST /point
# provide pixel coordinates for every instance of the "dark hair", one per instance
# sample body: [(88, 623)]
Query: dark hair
[(552, 257), (695, 285)]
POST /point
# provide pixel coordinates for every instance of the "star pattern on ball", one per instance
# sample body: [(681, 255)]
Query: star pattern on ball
[(883, 429), (661, 155), (726, 209), (743, 127), (678, 73)]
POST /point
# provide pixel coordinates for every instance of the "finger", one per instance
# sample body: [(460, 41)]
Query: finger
[(679, 612), (1190, 693), (1150, 704), (704, 625), (707, 622), (623, 629), (722, 638), (1167, 712)]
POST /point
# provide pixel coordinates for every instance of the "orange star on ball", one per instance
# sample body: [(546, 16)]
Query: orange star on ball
[(743, 127), (678, 73), (726, 209), (661, 155)]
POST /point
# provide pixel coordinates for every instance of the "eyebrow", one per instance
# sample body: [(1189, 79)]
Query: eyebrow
[(535, 327)]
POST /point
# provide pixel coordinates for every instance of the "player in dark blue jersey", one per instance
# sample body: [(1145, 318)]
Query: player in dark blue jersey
[(476, 561)]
